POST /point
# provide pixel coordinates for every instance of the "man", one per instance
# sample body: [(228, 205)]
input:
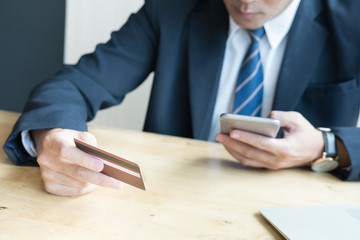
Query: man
[(308, 65)]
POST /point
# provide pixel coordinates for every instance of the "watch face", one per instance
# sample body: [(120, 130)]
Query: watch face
[(325, 165)]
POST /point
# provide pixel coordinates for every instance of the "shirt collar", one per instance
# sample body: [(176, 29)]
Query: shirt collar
[(277, 28)]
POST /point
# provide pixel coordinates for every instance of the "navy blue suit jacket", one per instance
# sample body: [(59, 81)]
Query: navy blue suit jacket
[(183, 42)]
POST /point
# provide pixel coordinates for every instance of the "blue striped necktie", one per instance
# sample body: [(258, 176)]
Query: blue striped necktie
[(249, 87)]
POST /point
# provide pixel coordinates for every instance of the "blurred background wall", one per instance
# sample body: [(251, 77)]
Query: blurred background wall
[(38, 36), (31, 47), (89, 22)]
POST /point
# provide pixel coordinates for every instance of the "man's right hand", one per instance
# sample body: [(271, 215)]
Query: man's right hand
[(65, 169)]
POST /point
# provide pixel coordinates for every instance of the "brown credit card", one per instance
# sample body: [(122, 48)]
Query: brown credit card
[(114, 166)]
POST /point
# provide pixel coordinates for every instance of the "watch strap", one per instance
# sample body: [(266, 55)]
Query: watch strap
[(330, 144), (328, 161)]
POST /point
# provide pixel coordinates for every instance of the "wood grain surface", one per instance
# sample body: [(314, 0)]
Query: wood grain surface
[(195, 190)]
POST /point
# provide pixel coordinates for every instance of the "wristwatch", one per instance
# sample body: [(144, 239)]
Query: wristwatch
[(328, 161)]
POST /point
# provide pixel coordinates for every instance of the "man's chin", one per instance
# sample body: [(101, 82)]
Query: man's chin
[(249, 24)]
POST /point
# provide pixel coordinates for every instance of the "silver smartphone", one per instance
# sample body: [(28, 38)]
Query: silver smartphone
[(265, 126)]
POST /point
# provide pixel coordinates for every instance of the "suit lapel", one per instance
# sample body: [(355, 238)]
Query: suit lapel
[(207, 39), (305, 44)]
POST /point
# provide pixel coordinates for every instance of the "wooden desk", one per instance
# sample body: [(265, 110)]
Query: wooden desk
[(195, 191)]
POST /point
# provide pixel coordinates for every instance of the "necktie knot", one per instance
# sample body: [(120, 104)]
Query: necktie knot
[(257, 34)]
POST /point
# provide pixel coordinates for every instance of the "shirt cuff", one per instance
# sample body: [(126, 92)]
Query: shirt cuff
[(28, 143)]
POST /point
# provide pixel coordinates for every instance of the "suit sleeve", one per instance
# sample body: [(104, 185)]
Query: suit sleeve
[(99, 80), (350, 137)]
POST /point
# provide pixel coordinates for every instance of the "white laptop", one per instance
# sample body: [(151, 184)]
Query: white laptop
[(315, 222)]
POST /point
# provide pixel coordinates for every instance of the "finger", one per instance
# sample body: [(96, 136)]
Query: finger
[(66, 191), (51, 176), (269, 163), (245, 161), (258, 141), (86, 175), (78, 172), (69, 152), (246, 152)]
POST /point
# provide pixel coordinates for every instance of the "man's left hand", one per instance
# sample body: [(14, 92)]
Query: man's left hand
[(301, 144)]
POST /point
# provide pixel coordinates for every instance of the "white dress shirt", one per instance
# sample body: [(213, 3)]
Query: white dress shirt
[(272, 47)]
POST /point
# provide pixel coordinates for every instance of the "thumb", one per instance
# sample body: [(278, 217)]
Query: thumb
[(288, 119), (87, 137)]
